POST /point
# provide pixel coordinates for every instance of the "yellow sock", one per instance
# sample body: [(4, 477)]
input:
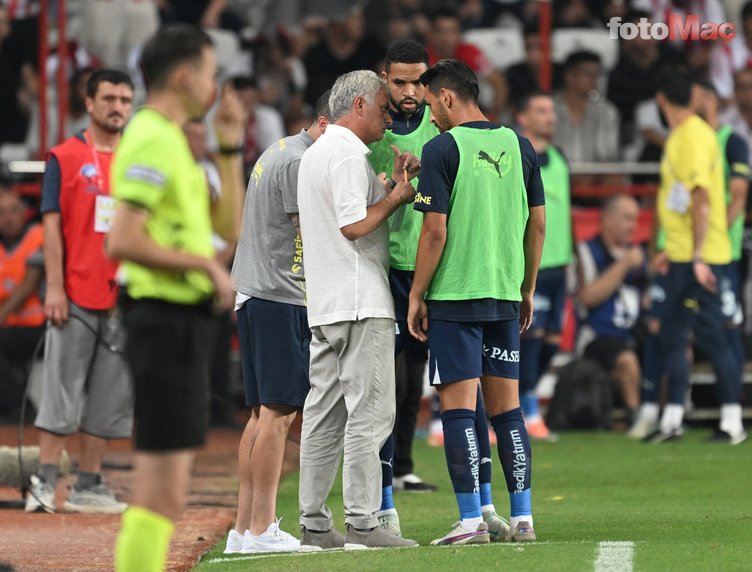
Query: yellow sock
[(143, 541)]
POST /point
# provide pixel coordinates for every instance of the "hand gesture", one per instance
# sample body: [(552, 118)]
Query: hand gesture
[(659, 263), (403, 193), (406, 161), (635, 257), (231, 118), (417, 319)]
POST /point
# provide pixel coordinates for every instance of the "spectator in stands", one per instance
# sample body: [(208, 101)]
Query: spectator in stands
[(21, 310), (15, 57), (201, 13), (739, 115), (86, 382), (574, 14), (611, 272), (493, 9), (524, 78), (445, 42), (265, 124), (729, 57), (635, 77), (587, 126), (342, 46), (112, 30)]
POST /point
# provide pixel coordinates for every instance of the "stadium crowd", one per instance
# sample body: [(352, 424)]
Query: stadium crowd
[(290, 78)]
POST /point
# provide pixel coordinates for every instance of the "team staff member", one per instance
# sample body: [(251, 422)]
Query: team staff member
[(692, 211), (21, 309), (344, 208), (162, 230), (86, 384), (480, 245), (274, 334), (410, 129), (540, 344)]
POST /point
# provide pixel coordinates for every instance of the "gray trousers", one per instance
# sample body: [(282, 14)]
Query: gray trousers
[(350, 408)]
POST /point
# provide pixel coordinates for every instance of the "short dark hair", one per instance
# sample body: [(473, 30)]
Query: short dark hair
[(170, 47), (406, 52), (243, 82), (576, 59), (524, 101), (705, 84), (676, 86), (321, 109), (747, 10), (115, 77), (453, 75)]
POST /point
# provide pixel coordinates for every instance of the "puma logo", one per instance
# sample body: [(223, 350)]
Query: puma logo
[(483, 156)]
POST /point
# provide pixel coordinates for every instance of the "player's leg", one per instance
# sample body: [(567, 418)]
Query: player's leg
[(365, 350), (279, 351), (498, 527), (675, 324), (455, 361), (69, 350), (169, 361), (709, 331), (500, 384), (321, 445)]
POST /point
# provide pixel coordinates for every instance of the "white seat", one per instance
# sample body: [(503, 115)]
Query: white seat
[(502, 46), (564, 42), (227, 47)]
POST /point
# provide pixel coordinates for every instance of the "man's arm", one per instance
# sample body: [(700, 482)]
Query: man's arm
[(700, 220), (295, 220), (227, 210), (129, 240), (431, 244), (30, 284), (377, 214), (55, 301), (739, 188), (535, 234), (600, 289)]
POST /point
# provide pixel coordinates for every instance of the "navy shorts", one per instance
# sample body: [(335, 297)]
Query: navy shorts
[(548, 303), (275, 351), (729, 286), (657, 297), (467, 350), (400, 282)]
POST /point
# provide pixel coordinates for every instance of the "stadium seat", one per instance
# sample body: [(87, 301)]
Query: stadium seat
[(502, 46), (227, 46), (566, 41)]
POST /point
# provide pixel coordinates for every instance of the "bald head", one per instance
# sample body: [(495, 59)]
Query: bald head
[(619, 218)]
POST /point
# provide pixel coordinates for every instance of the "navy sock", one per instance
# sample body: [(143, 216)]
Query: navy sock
[(530, 352), (547, 353), (516, 459), (652, 369), (463, 459), (485, 470), (387, 473)]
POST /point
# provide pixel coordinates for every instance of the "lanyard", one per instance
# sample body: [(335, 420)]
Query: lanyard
[(90, 143)]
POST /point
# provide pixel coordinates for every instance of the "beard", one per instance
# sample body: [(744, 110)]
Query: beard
[(108, 125)]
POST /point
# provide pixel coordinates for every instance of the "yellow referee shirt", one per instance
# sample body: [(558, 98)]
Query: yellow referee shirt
[(692, 158)]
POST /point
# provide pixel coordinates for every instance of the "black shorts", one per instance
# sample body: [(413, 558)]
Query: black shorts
[(168, 349), (275, 350), (605, 350)]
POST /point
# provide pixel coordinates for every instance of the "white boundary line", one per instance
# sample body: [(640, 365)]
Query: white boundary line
[(614, 556), (495, 545)]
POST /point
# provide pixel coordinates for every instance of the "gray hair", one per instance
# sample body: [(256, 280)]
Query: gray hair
[(359, 83)]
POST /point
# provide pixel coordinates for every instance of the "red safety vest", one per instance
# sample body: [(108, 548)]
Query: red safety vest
[(12, 271), (85, 210)]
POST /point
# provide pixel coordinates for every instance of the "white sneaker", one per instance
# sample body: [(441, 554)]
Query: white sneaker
[(235, 542), (389, 519), (274, 539), (498, 528), (97, 499), (41, 496), (642, 427)]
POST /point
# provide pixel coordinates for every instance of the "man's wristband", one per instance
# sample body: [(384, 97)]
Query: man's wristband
[(231, 150), (391, 182)]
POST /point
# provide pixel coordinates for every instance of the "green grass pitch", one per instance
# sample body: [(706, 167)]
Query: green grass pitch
[(686, 506)]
